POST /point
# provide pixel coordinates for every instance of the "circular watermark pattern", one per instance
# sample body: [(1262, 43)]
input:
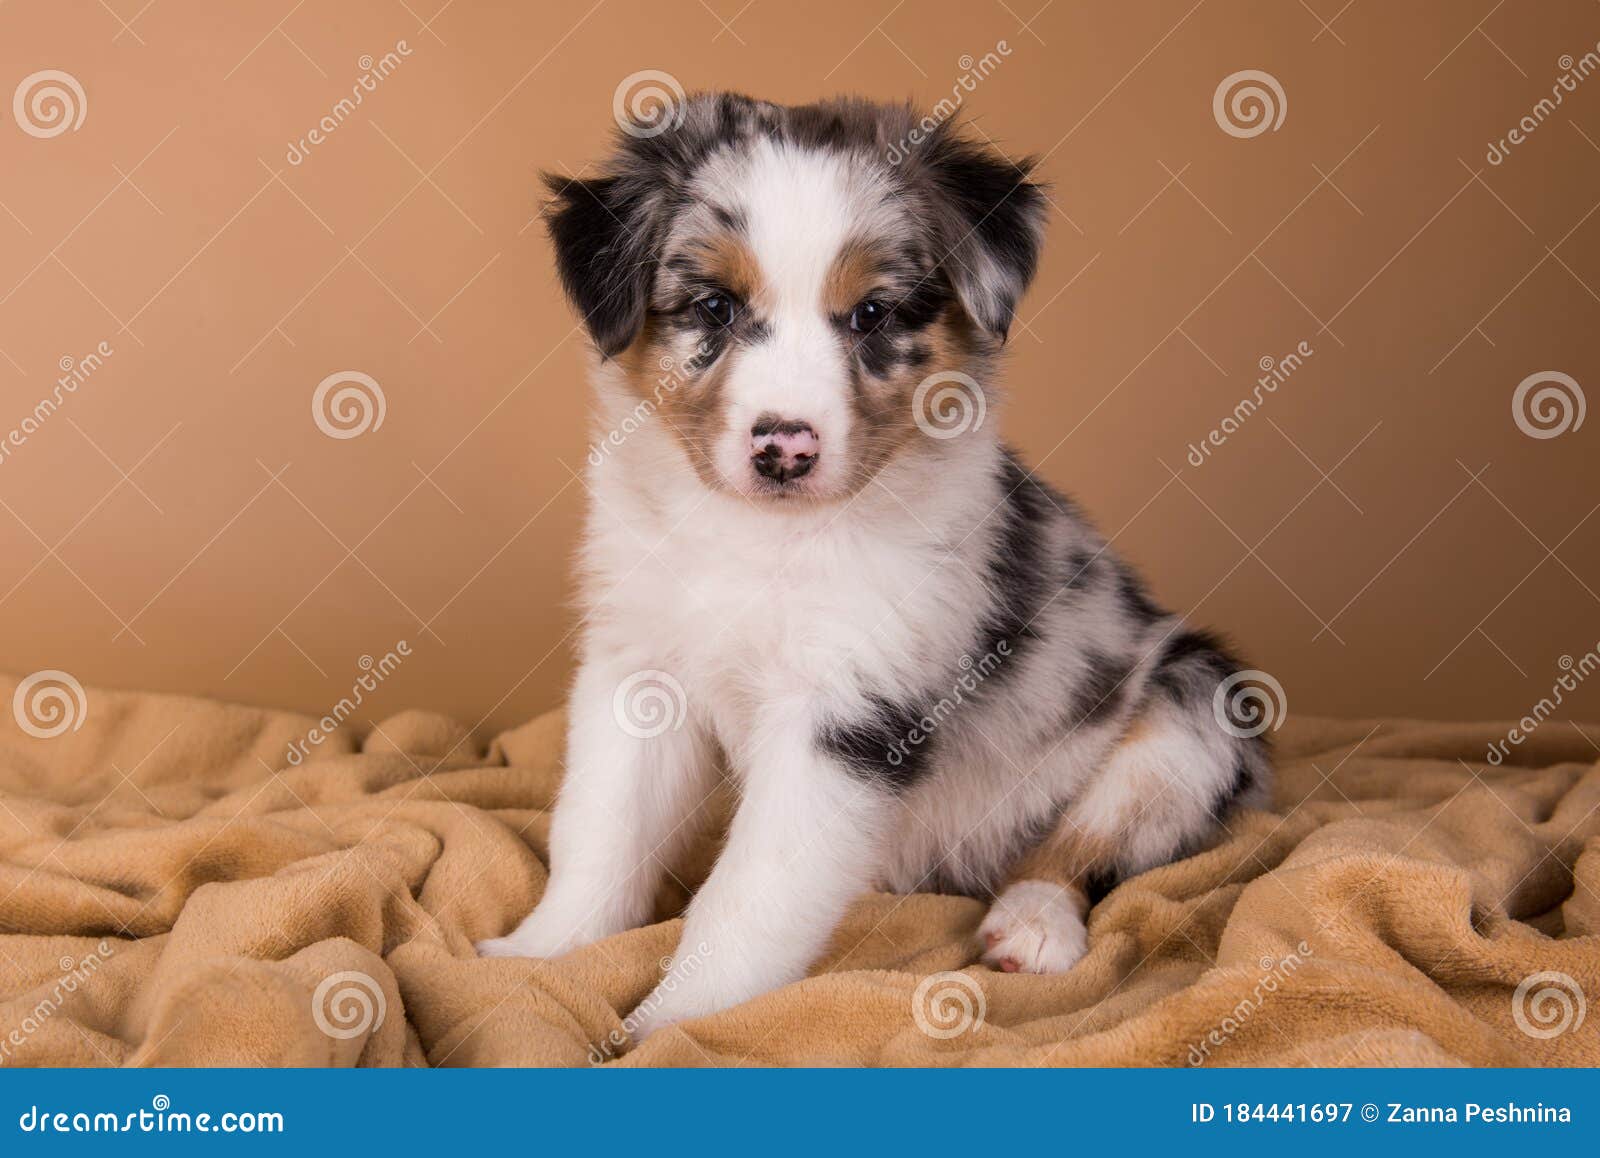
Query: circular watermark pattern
[(649, 703), (1548, 404), (348, 404), (348, 1004), (1248, 103), (948, 404), (1249, 703), (947, 1005), (648, 103), (48, 103), (1548, 1004), (49, 703)]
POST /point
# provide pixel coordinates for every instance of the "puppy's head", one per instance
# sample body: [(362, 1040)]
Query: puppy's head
[(781, 284)]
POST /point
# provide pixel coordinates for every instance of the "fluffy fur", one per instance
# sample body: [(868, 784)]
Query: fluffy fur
[(924, 669)]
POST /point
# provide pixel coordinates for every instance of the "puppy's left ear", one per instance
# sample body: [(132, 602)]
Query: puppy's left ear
[(990, 226)]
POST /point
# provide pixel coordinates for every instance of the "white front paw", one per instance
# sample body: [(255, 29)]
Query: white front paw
[(1034, 927), (504, 947), (543, 934), (672, 1001), (644, 1021)]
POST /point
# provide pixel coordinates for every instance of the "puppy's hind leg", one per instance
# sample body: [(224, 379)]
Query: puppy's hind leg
[(1164, 792), (1037, 922)]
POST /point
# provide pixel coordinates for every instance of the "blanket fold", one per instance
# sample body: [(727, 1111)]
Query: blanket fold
[(176, 890)]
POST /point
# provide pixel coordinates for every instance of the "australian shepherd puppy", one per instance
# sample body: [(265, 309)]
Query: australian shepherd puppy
[(923, 668)]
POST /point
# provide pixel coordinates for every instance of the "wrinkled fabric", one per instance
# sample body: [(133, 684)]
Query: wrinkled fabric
[(173, 891)]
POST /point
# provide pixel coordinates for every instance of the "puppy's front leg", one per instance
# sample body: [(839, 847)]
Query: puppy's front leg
[(638, 766), (805, 841)]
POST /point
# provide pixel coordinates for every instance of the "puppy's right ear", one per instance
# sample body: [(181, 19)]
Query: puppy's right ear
[(605, 252)]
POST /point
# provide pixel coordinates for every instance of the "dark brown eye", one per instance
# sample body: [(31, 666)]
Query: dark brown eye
[(868, 316), (716, 310)]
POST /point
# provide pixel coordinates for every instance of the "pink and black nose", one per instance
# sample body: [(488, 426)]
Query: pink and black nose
[(782, 450)]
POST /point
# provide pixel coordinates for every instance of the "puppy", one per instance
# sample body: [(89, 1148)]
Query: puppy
[(810, 560)]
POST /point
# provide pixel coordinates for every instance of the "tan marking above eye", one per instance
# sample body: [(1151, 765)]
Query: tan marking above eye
[(853, 275), (726, 260)]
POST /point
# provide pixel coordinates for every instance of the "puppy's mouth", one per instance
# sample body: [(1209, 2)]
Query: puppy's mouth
[(782, 489)]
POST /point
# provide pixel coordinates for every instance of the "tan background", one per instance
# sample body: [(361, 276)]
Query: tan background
[(1380, 537)]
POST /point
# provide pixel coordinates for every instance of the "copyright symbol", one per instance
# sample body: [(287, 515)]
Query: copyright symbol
[(1369, 1113)]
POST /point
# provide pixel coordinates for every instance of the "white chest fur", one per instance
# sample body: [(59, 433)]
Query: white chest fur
[(752, 608)]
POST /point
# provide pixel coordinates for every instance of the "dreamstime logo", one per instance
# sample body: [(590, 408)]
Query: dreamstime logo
[(671, 379), (972, 72), (948, 404), (973, 673), (649, 703), (76, 972), (1249, 703), (947, 1005), (676, 973), (373, 673), (347, 404), (1248, 103), (372, 73), (1573, 73), (1553, 1000), (348, 1004), (75, 372), (48, 103), (648, 103), (1548, 404), (48, 703), (1275, 974), (155, 1120), (1574, 672), (1275, 372), (674, 375)]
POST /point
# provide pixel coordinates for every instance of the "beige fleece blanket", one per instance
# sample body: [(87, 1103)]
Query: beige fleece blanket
[(174, 892)]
